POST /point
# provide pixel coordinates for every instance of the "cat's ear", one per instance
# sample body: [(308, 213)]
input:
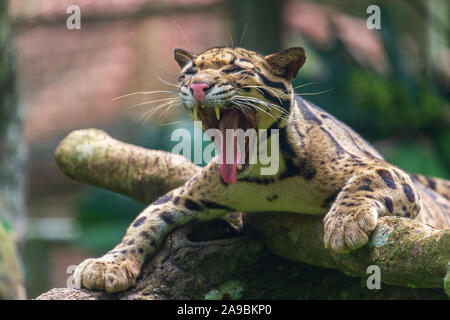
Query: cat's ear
[(286, 63), (182, 57)]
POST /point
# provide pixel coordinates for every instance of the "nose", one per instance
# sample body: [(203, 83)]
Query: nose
[(199, 90)]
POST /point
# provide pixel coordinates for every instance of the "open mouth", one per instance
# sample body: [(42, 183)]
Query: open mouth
[(232, 162)]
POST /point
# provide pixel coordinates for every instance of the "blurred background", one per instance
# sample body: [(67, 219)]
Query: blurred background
[(391, 85)]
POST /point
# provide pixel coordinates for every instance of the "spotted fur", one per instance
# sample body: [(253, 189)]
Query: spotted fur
[(325, 168)]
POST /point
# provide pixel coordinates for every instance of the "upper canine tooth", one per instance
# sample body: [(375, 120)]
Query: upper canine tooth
[(217, 112), (195, 113)]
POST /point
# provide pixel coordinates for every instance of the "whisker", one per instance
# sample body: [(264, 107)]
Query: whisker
[(153, 101), (283, 112), (242, 79), (260, 91), (164, 104), (315, 93), (248, 103), (168, 109), (244, 111), (269, 89), (152, 110), (143, 93), (306, 84), (241, 102), (168, 83), (170, 123), (149, 113), (182, 33), (231, 37), (272, 90), (267, 104), (241, 107), (245, 29), (266, 112), (128, 94)]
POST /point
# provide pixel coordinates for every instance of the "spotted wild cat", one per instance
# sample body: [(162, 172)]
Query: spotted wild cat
[(325, 168)]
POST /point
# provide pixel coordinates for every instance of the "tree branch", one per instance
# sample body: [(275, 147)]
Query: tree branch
[(94, 157), (408, 253)]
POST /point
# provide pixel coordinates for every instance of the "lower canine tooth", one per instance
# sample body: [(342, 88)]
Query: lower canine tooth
[(217, 112), (195, 113)]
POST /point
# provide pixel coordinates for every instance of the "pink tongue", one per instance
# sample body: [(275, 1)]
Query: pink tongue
[(229, 170)]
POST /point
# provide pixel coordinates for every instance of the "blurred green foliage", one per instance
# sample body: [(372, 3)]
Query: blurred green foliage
[(104, 217), (405, 113)]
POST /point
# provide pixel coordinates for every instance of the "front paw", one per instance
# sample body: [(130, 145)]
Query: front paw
[(107, 274), (346, 231)]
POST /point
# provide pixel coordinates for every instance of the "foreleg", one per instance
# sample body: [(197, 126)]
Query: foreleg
[(366, 196)]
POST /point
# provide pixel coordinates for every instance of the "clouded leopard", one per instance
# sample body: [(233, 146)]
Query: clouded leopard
[(324, 167)]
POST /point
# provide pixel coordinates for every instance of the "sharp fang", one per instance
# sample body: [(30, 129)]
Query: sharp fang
[(217, 112), (195, 113)]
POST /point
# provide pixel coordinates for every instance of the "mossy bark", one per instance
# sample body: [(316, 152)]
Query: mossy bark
[(94, 157), (408, 253), (11, 280), (237, 267)]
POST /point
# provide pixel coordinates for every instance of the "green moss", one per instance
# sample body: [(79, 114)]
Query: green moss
[(10, 271), (231, 290), (447, 281)]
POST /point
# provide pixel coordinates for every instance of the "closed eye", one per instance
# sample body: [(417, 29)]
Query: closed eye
[(233, 69)]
